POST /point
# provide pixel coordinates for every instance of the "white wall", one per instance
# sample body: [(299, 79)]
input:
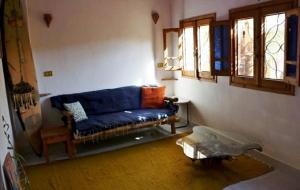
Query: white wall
[(271, 118), (96, 44), (3, 112)]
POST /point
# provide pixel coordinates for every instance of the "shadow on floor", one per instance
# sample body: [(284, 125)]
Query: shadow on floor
[(57, 151)]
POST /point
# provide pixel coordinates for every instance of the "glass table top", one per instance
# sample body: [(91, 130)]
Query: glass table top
[(206, 142)]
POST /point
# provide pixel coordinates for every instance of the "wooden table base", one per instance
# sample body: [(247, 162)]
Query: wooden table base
[(212, 162)]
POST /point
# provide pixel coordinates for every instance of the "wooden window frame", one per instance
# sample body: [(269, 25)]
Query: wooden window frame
[(204, 74), (194, 22), (258, 13), (165, 32), (183, 25), (235, 78), (166, 66)]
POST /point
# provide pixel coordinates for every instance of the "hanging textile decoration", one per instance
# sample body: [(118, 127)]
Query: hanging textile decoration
[(22, 71), (23, 96), (23, 92)]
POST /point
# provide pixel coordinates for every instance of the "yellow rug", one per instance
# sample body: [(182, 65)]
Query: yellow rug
[(155, 165)]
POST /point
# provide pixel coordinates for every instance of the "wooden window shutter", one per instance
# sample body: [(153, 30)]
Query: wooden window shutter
[(220, 48), (292, 50)]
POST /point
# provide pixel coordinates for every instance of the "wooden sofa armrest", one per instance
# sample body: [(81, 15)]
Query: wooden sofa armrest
[(171, 99), (67, 113), (69, 118), (170, 103)]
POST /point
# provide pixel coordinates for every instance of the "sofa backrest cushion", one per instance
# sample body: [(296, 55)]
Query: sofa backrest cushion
[(103, 101)]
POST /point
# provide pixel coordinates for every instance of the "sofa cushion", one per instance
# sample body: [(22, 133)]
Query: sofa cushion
[(153, 97), (103, 101), (97, 123), (77, 111)]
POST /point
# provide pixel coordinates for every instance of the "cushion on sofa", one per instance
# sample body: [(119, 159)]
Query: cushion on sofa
[(103, 101), (153, 97), (77, 110), (97, 123)]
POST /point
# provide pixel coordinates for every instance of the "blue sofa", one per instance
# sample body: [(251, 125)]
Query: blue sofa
[(113, 112)]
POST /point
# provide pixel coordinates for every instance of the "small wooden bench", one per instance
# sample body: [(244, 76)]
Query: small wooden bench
[(52, 135)]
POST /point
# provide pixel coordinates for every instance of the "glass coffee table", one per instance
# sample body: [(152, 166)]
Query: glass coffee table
[(211, 146)]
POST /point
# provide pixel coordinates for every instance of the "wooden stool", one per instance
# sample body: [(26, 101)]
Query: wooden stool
[(51, 135)]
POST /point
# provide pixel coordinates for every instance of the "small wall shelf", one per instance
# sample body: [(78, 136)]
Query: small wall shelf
[(44, 94), (169, 79), (171, 68)]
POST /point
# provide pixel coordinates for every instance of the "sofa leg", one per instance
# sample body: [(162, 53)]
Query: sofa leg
[(173, 128)]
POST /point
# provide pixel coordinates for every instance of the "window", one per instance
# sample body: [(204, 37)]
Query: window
[(245, 47), (197, 58), (171, 47), (188, 54), (204, 49), (258, 46), (274, 30)]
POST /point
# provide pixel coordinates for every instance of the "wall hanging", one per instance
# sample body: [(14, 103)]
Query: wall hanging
[(22, 71), (155, 17), (48, 19)]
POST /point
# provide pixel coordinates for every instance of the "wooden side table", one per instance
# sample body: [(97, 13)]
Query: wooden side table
[(182, 101), (52, 135)]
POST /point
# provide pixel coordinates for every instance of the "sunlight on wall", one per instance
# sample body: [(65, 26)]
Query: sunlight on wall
[(138, 82), (150, 74), (86, 51)]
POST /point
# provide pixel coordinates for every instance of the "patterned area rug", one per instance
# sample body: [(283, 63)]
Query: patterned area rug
[(155, 165)]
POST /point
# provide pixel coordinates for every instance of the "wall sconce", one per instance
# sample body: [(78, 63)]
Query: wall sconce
[(155, 17), (48, 19)]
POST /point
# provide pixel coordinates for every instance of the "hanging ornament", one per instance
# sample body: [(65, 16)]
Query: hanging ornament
[(23, 95), (48, 19), (155, 17)]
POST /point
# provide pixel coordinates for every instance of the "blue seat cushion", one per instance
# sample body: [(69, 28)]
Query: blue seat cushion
[(97, 123)]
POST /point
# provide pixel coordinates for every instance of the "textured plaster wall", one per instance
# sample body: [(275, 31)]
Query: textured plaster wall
[(96, 44), (3, 112), (273, 119)]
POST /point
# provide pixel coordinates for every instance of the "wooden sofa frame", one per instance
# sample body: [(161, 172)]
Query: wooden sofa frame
[(119, 131)]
